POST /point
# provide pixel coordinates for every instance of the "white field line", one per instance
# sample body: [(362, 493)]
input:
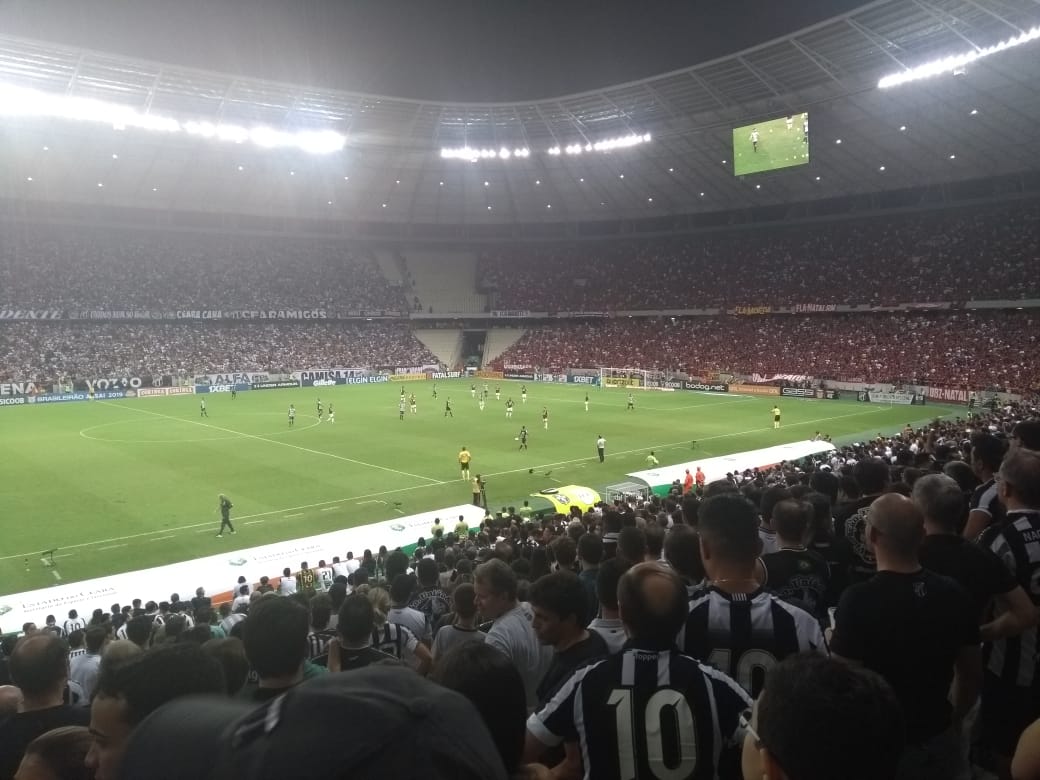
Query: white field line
[(363, 496), (274, 441)]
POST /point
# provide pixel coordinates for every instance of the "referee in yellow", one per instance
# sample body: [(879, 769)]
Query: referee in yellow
[(464, 459)]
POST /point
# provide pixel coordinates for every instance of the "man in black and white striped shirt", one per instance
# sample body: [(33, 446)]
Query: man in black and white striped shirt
[(73, 623), (734, 624), (320, 634), (648, 711), (1011, 686), (985, 510)]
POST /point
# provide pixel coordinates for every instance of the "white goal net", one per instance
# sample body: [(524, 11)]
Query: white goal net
[(632, 379)]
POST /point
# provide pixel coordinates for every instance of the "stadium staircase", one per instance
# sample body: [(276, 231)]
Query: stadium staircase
[(446, 281), (498, 341), (389, 266), (446, 344)]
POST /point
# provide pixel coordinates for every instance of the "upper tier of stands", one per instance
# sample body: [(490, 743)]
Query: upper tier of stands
[(44, 267), (963, 349), (988, 254), (938, 256)]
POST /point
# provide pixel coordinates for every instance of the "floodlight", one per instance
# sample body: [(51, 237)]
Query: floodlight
[(957, 63), (205, 129), (265, 136), (18, 101), (232, 133), (317, 141)]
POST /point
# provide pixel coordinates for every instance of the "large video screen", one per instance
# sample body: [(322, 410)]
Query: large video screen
[(772, 144)]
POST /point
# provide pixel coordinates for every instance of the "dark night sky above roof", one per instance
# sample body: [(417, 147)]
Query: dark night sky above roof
[(438, 50)]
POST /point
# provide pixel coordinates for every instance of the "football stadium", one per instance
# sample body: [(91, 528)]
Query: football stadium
[(532, 365)]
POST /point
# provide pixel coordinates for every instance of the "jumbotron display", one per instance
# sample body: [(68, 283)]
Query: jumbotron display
[(772, 144)]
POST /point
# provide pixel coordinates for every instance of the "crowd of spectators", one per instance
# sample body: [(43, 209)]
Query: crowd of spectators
[(971, 349), (541, 625), (45, 351), (890, 585), (967, 349), (988, 254), (119, 270)]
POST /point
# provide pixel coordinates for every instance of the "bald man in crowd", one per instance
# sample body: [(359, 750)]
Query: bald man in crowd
[(918, 630)]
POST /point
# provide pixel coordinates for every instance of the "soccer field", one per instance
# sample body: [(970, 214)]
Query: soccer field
[(122, 485)]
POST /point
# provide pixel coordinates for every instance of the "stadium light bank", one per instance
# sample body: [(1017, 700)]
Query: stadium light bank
[(20, 101), (956, 62), (471, 154), (606, 145)]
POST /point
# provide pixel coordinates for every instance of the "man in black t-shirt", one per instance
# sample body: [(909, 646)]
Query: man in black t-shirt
[(39, 666), (981, 574), (837, 552), (430, 599), (560, 615), (648, 711), (914, 628), (872, 476), (794, 573)]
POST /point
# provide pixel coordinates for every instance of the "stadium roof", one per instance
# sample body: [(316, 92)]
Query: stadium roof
[(940, 130), (449, 50)]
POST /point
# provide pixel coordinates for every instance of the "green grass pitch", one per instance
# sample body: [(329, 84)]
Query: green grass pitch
[(778, 147), (123, 485)]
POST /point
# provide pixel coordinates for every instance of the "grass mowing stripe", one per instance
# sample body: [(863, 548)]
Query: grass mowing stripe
[(417, 487), (115, 492), (686, 441), (275, 441)]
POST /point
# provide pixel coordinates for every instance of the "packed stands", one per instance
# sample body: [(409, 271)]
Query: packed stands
[(51, 268), (950, 256), (963, 349), (58, 352)]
